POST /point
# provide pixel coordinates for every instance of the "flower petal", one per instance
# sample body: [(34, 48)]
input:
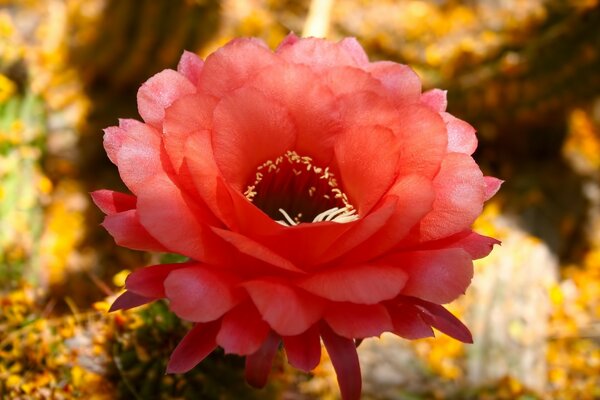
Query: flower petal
[(200, 295), (231, 66), (258, 364), (149, 281), (129, 300), (460, 191), (358, 320), (362, 284), (342, 352), (111, 202), (408, 322), (366, 177), (249, 129), (126, 229), (461, 135), (242, 330), (438, 276), (190, 66), (287, 310), (492, 185), (304, 351), (435, 99), (193, 348), (443, 320), (320, 53), (402, 83), (159, 92), (478, 246)]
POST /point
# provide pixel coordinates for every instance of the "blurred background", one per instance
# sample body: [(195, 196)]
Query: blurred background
[(525, 73)]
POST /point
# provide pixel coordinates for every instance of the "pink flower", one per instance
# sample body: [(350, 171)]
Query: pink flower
[(318, 196)]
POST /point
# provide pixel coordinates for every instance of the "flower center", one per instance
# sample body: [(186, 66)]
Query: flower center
[(292, 190)]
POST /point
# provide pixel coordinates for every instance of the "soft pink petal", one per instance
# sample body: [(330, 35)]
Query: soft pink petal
[(342, 352), (355, 50), (129, 300), (320, 53), (435, 99), (231, 66), (200, 295), (189, 115), (304, 351), (289, 40), (439, 276), (258, 364), (461, 135), (310, 104), (492, 185), (422, 140), (159, 92), (287, 310), (366, 157), (408, 322), (127, 231), (242, 330), (138, 156), (362, 284), (111, 202), (401, 82), (113, 139), (190, 66), (193, 348), (460, 192), (149, 281), (478, 246), (358, 320), (249, 129)]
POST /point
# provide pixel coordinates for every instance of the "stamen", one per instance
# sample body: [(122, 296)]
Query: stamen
[(287, 217)]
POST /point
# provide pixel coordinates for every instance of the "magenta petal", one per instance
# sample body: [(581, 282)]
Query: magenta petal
[(443, 320), (358, 320), (304, 351), (149, 281), (113, 202), (492, 185), (242, 330), (193, 348), (129, 300), (342, 352), (126, 229), (408, 322), (435, 99), (258, 364)]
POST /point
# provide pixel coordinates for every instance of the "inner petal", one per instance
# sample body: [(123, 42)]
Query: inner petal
[(291, 189)]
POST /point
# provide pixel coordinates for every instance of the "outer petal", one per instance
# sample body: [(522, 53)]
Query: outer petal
[(233, 65), (190, 66), (258, 364), (402, 83), (460, 192), (492, 185), (249, 129), (199, 295), (440, 318), (195, 346), (287, 310), (304, 351), (159, 92), (127, 231), (358, 320), (408, 322), (149, 281), (435, 99), (438, 276), (344, 358), (242, 330), (478, 246), (362, 284), (129, 300), (113, 202), (319, 53), (461, 135)]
